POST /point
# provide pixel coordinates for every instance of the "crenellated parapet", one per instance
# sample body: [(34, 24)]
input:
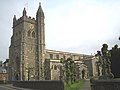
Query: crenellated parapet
[(23, 18)]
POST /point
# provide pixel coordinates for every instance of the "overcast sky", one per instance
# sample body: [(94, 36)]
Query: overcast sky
[(79, 26)]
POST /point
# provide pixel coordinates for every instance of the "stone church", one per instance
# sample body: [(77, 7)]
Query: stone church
[(30, 60)]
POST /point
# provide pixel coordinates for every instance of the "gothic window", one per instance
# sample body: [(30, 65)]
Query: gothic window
[(64, 57), (57, 56), (55, 67), (51, 56), (29, 32), (33, 34)]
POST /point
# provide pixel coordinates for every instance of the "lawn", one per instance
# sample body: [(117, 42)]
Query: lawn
[(75, 86)]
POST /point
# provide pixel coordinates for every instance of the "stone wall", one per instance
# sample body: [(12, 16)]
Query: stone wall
[(40, 85), (105, 84)]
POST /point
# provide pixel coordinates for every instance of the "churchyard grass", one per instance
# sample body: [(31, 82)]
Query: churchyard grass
[(75, 86)]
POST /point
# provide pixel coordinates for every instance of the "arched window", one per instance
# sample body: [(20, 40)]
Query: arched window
[(33, 34), (51, 56), (29, 32), (57, 56), (64, 57), (55, 67)]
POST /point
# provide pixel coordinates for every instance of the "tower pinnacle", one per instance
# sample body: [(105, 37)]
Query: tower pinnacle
[(40, 11), (24, 12), (39, 3), (14, 18)]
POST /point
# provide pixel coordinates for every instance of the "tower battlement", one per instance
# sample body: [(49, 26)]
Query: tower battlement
[(23, 18)]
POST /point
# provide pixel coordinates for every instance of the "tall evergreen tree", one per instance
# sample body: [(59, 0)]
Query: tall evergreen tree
[(69, 70), (115, 61)]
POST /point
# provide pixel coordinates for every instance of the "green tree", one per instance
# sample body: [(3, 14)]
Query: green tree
[(69, 70), (115, 61)]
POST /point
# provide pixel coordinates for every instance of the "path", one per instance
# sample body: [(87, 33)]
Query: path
[(86, 85), (11, 87)]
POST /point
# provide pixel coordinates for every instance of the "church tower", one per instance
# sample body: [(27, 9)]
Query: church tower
[(27, 49)]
